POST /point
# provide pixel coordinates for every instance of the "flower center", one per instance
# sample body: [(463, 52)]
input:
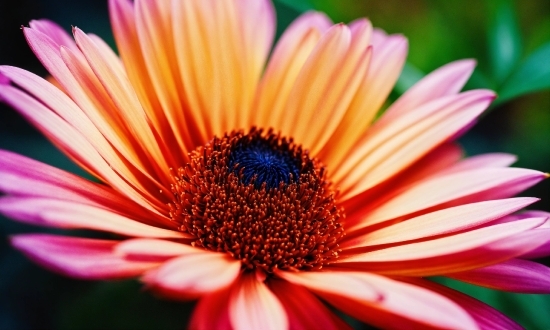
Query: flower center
[(260, 198)]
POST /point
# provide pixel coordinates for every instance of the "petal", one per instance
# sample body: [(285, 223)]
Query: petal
[(444, 221), (448, 245), (79, 257), (513, 275), (305, 108), (389, 149), (453, 189), (325, 87), (70, 215), (253, 306), (484, 255), (447, 80), (147, 248), (484, 315), (22, 176), (291, 52), (304, 310), (110, 72), (192, 275), (212, 312), (74, 144), (124, 29), (482, 161), (388, 57), (54, 31), (364, 296)]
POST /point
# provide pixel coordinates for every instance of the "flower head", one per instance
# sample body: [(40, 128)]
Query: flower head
[(261, 186)]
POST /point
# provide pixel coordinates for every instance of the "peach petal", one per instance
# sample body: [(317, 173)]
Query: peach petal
[(304, 107), (124, 28), (364, 295), (444, 221), (484, 315), (194, 274), (388, 58), (285, 64), (304, 310), (78, 257), (327, 100), (390, 150), (253, 306), (514, 275), (70, 215), (117, 85), (448, 245)]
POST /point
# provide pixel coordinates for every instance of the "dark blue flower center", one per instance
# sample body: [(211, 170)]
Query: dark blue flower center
[(262, 161)]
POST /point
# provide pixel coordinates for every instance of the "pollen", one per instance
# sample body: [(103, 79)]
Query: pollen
[(259, 197)]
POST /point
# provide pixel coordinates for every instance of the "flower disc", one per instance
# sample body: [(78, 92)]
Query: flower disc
[(259, 197)]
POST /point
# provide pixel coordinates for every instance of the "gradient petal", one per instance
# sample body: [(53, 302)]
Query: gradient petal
[(363, 295), (513, 275), (304, 310), (79, 257), (291, 52), (70, 215), (253, 306), (484, 315), (441, 222), (192, 275)]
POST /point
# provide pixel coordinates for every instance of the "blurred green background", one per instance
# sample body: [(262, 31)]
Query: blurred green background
[(510, 40)]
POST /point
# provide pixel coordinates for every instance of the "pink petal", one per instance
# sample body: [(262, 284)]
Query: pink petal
[(304, 310), (440, 222), (69, 140), (486, 254), (364, 295), (70, 215), (79, 257), (22, 176), (453, 189), (482, 161), (212, 312), (447, 245), (513, 275), (253, 306), (147, 248), (444, 81), (484, 315), (55, 32), (192, 275)]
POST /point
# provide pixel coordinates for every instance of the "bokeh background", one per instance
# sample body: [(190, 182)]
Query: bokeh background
[(510, 40)]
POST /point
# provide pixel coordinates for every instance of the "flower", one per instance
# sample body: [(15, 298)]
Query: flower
[(261, 191)]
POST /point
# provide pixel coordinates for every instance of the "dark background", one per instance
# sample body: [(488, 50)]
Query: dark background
[(438, 31)]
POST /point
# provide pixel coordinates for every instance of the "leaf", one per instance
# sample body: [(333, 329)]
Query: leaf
[(531, 76), (298, 5), (504, 41)]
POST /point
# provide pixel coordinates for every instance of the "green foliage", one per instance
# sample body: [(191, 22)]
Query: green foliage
[(532, 75)]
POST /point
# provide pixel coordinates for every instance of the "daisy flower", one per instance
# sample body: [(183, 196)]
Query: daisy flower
[(258, 181)]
